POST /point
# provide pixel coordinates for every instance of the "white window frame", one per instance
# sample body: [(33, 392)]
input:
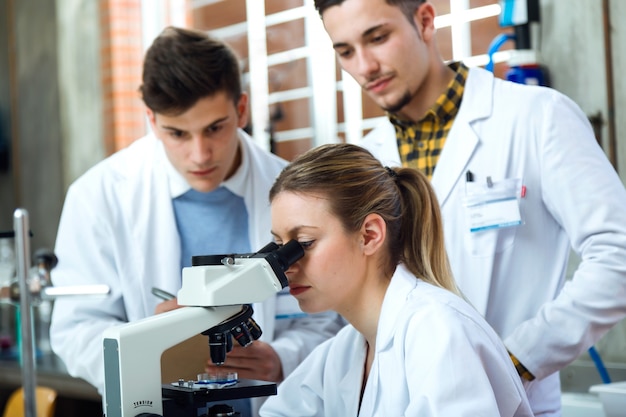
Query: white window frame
[(321, 64)]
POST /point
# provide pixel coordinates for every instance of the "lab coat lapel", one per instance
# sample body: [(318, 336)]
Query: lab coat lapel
[(453, 161), (462, 142), (401, 285), (350, 385), (462, 139)]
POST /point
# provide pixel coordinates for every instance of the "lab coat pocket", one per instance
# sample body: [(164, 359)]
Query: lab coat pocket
[(490, 242), (492, 215)]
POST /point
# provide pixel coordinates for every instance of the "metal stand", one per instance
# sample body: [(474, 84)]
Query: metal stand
[(22, 251), (30, 290)]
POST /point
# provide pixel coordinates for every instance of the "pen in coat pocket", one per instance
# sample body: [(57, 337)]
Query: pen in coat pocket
[(164, 295)]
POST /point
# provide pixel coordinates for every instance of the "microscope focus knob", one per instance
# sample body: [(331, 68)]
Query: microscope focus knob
[(46, 257), (222, 410)]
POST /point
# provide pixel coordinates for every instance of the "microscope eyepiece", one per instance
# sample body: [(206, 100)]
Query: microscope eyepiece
[(288, 254), (282, 258), (270, 247)]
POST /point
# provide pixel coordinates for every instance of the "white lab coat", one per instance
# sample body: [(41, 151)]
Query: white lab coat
[(515, 276), (435, 356), (118, 228)]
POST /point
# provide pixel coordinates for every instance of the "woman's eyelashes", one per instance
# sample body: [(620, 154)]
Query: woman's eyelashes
[(306, 244)]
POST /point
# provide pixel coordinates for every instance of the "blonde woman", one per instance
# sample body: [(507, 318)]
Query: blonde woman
[(374, 253)]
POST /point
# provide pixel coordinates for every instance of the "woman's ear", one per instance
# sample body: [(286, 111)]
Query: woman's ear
[(373, 233)]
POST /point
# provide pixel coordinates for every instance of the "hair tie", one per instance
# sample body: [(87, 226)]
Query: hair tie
[(393, 174)]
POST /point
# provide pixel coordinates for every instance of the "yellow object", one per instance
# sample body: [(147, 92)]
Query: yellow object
[(45, 399)]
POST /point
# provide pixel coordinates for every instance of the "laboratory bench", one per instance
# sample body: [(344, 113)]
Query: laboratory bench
[(76, 398)]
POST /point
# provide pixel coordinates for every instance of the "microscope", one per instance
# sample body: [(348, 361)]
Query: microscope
[(217, 292)]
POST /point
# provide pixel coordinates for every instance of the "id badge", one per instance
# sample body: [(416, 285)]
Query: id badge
[(492, 204)]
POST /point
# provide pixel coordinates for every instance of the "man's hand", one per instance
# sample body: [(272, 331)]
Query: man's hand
[(168, 305), (257, 361)]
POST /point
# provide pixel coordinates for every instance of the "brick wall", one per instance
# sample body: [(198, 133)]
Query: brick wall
[(122, 58)]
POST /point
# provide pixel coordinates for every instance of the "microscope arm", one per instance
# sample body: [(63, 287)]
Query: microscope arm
[(132, 356)]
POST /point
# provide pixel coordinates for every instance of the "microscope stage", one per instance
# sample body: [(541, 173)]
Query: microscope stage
[(177, 398)]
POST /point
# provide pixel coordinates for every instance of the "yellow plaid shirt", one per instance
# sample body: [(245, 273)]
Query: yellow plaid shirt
[(420, 143)]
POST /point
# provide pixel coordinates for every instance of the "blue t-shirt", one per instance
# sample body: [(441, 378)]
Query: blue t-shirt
[(211, 223)]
